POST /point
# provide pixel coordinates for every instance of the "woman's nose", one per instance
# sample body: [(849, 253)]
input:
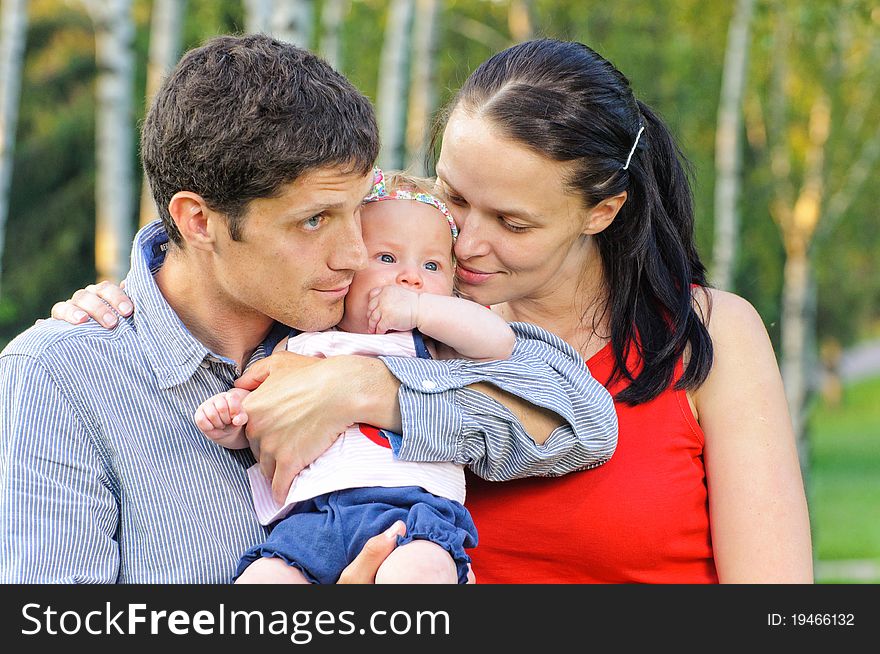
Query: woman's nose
[(471, 241)]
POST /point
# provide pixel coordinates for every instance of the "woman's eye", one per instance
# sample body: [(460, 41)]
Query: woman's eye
[(455, 199), (433, 266), (386, 258), (513, 228)]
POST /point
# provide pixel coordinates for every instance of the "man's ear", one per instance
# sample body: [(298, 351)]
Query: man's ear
[(603, 214), (193, 218)]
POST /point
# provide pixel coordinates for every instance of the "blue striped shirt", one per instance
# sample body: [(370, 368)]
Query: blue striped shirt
[(105, 478)]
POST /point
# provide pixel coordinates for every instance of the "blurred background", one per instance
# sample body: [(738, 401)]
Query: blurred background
[(776, 103)]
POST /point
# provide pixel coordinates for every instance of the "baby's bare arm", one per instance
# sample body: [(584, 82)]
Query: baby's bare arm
[(470, 329)]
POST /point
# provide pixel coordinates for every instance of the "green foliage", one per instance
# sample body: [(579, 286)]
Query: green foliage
[(833, 47), (50, 228), (361, 47)]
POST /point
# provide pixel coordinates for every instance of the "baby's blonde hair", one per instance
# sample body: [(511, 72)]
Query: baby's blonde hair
[(402, 180)]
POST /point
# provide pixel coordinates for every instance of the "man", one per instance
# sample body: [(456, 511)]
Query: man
[(258, 155)]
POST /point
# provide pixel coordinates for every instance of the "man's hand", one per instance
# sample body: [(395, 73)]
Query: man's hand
[(294, 415), (363, 569), (300, 405)]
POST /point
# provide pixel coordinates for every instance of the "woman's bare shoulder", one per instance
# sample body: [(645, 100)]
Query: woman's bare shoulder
[(728, 317), (743, 354), (741, 346)]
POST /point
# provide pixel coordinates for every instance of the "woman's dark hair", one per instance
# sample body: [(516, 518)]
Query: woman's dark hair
[(566, 102)]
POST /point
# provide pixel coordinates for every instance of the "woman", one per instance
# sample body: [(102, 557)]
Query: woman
[(574, 213)]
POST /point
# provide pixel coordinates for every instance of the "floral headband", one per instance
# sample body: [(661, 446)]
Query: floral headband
[(379, 192)]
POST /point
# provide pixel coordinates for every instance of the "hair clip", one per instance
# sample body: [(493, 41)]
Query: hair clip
[(638, 136)]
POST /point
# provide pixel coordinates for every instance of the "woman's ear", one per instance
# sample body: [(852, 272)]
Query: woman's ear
[(192, 216), (602, 215)]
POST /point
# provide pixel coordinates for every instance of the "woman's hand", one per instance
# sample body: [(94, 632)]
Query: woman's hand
[(300, 405), (91, 302)]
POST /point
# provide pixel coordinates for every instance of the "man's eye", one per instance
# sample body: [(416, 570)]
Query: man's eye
[(314, 222), (432, 266), (386, 258)]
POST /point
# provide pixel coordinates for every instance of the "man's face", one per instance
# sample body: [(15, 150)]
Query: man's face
[(298, 251)]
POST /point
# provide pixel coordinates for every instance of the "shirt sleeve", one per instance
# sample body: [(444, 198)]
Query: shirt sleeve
[(58, 511), (443, 420)]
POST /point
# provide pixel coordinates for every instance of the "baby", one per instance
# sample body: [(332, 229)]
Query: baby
[(401, 304)]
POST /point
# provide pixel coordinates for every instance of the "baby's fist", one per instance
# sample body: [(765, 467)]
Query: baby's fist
[(392, 309)]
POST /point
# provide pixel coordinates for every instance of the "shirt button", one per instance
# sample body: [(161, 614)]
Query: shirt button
[(428, 384)]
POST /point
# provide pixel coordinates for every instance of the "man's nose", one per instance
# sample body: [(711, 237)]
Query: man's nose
[(350, 251)]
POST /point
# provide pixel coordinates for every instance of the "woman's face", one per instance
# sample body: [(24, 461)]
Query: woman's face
[(520, 231)]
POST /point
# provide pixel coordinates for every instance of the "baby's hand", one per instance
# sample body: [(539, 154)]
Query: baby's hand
[(392, 308), (222, 418)]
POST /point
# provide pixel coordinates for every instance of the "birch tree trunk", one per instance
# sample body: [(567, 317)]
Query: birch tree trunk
[(798, 225), (114, 126), (291, 21), (521, 20), (257, 16), (332, 14), (391, 94), (423, 96), (166, 27), (12, 40), (728, 146), (795, 286)]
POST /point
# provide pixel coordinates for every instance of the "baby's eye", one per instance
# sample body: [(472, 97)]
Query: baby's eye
[(433, 266), (386, 258)]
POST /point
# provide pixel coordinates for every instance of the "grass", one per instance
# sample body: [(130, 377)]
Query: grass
[(844, 485)]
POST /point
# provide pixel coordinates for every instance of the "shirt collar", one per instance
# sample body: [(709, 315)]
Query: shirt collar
[(172, 351)]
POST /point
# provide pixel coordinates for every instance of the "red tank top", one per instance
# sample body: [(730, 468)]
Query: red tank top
[(642, 517)]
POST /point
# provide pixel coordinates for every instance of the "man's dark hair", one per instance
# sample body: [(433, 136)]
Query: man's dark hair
[(241, 116)]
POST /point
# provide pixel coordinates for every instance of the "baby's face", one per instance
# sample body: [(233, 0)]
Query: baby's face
[(409, 244)]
